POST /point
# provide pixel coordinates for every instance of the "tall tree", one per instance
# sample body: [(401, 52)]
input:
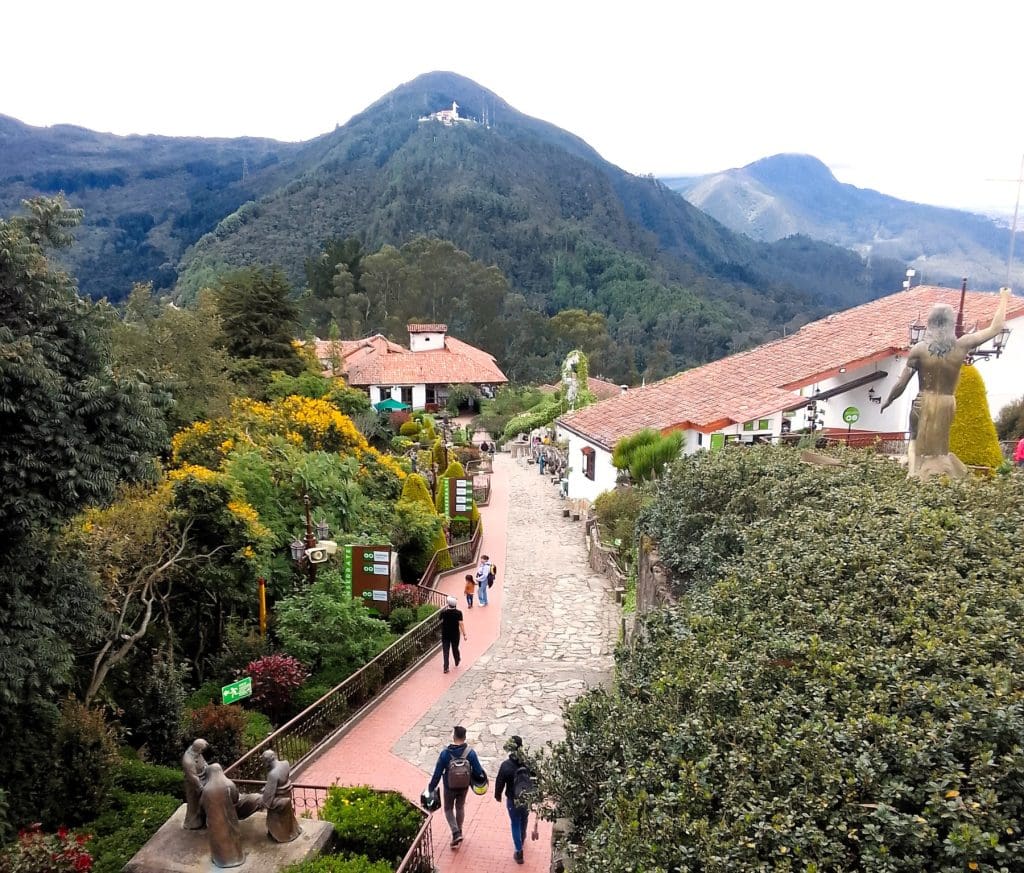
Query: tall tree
[(70, 431), (259, 318)]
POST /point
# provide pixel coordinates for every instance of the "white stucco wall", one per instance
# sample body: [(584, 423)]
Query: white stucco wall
[(425, 342), (379, 393), (1004, 378), (580, 487)]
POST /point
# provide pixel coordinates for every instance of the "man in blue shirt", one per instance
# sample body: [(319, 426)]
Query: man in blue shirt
[(457, 765)]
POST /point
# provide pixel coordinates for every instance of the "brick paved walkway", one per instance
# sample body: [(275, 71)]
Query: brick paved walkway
[(547, 634)]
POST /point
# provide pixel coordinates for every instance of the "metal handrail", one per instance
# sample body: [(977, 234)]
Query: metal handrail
[(305, 733), (420, 857), (307, 800)]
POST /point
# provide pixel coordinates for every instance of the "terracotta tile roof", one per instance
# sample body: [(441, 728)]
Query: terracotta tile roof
[(765, 379), (378, 361), (427, 328), (602, 389)]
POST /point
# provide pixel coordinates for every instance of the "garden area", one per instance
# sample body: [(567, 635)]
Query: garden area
[(840, 685), (156, 462)]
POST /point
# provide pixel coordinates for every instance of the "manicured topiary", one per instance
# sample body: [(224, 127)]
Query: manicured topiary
[(415, 489), (973, 436)]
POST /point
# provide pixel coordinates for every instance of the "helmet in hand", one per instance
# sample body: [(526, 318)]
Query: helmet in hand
[(480, 784), (430, 800)]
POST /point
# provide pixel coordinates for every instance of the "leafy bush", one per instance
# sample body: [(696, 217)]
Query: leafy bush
[(401, 444), (409, 429), (405, 596), (242, 645), (257, 727), (324, 626), (129, 820), (37, 852), (398, 419), (84, 758), (137, 776), (275, 678), (160, 708), (223, 728), (1010, 421), (401, 619), (378, 824), (340, 864), (425, 610), (839, 688), (617, 513), (463, 395), (208, 692), (645, 454)]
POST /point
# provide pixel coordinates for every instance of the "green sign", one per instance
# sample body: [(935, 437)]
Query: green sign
[(851, 414), (237, 690)]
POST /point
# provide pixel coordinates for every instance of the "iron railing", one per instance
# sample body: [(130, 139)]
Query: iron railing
[(300, 737), (307, 800), (420, 857), (432, 596), (483, 464)]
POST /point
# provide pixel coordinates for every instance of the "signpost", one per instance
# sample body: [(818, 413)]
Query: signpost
[(458, 498), (367, 575), (850, 415), (237, 690)]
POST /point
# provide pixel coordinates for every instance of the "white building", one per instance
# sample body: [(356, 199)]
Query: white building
[(847, 361), (418, 376)]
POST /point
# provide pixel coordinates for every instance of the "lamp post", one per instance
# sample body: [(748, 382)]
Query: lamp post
[(314, 549)]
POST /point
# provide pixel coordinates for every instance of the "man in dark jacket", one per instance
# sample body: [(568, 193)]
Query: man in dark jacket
[(451, 629), (518, 807), (455, 797)]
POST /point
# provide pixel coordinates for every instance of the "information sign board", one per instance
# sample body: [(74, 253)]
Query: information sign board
[(851, 414), (367, 574), (458, 498)]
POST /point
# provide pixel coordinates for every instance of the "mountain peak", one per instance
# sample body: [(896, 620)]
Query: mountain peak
[(791, 170)]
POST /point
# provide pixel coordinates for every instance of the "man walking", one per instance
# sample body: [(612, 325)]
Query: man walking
[(451, 629), (457, 765), (515, 778), (483, 579)]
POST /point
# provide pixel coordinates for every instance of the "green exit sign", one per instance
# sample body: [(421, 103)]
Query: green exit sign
[(237, 690)]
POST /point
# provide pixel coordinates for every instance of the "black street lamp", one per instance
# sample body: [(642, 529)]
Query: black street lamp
[(315, 548)]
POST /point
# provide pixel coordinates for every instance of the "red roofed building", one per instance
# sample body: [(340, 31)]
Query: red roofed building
[(418, 375), (849, 359)]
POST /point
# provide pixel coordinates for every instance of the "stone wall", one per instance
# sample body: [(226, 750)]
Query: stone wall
[(652, 582)]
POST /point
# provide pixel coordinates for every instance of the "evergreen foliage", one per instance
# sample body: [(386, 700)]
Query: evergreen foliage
[(838, 688), (1010, 423), (972, 438)]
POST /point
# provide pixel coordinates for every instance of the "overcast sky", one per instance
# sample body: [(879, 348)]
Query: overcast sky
[(921, 100)]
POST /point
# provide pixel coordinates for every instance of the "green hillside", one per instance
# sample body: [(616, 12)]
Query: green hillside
[(566, 228)]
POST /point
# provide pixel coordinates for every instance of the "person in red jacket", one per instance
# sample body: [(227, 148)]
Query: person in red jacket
[(1018, 455)]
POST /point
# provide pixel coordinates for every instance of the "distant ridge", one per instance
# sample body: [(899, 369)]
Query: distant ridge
[(787, 194)]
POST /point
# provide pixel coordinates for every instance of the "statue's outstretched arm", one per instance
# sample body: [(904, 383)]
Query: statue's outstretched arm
[(973, 340), (901, 384)]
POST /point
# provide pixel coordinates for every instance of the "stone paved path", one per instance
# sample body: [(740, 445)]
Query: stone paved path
[(547, 634)]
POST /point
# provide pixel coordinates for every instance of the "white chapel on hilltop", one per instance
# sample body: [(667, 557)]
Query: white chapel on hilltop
[(447, 117)]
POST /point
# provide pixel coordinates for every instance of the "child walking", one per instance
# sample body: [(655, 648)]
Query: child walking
[(470, 588)]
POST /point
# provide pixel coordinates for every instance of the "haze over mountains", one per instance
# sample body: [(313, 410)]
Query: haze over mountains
[(787, 194)]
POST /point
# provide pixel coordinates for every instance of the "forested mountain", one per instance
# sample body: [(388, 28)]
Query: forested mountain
[(568, 229), (789, 194)]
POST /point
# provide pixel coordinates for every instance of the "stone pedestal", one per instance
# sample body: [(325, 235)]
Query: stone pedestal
[(172, 849)]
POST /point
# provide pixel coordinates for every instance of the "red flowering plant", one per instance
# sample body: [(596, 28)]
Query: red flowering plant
[(275, 678), (408, 596), (38, 852)]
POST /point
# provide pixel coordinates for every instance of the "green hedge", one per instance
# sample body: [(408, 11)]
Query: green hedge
[(841, 686), (340, 864), (379, 824), (129, 820), (138, 776)]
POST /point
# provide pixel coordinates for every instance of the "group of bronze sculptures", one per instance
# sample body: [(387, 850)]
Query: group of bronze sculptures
[(214, 802)]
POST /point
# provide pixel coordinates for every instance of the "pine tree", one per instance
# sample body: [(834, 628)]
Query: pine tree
[(972, 437)]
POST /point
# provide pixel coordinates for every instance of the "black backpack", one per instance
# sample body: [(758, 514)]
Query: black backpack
[(522, 786), (460, 771), (492, 576)]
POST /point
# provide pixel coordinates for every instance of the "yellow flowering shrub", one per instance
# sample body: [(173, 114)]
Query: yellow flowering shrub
[(973, 436)]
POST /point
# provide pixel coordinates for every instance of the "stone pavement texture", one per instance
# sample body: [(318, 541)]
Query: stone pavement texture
[(547, 635)]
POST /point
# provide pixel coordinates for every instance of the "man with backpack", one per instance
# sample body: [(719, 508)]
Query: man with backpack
[(515, 778), (457, 765)]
